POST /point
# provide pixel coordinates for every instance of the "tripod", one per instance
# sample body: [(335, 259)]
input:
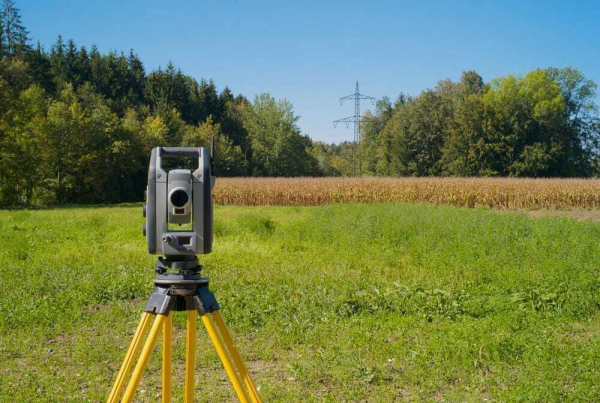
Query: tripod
[(187, 291)]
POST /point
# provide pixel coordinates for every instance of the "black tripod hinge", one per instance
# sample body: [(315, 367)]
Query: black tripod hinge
[(205, 301), (159, 302)]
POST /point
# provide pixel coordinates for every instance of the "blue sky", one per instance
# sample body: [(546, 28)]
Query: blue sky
[(312, 52)]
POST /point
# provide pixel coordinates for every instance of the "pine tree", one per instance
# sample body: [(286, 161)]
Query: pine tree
[(39, 68), (136, 78), (71, 56), (83, 66), (57, 62), (14, 35)]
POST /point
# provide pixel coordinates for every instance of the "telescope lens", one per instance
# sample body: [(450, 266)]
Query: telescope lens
[(179, 198)]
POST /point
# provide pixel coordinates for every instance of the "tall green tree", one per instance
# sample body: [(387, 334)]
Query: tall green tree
[(394, 150), (278, 148), (229, 157), (232, 122), (580, 135), (14, 39), (370, 129), (23, 130), (522, 124)]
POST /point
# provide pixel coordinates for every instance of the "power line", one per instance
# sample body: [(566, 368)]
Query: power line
[(356, 119)]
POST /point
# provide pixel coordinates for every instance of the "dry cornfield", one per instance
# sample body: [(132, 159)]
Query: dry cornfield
[(497, 193)]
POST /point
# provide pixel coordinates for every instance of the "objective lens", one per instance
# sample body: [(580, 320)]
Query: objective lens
[(179, 198)]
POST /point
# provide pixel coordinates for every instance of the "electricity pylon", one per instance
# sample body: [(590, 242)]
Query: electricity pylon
[(356, 119)]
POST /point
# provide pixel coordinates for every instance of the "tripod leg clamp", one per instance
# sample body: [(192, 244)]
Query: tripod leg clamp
[(160, 302), (205, 301)]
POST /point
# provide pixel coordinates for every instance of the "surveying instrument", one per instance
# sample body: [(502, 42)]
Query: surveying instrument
[(175, 198)]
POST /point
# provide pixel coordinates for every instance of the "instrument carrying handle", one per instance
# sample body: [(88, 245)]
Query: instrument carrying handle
[(185, 152)]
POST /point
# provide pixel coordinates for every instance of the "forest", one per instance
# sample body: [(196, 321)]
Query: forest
[(77, 125)]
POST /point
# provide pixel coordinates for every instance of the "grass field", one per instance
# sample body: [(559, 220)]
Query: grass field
[(335, 303)]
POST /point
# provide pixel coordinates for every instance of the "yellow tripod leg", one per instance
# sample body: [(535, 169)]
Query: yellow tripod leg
[(190, 356), (115, 392), (144, 357), (233, 376), (166, 358), (237, 359)]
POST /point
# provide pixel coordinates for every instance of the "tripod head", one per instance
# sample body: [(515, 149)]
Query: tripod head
[(183, 290)]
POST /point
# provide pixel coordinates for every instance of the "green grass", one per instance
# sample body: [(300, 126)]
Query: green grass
[(333, 303)]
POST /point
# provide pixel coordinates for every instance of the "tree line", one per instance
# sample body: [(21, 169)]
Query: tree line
[(544, 124), (77, 125)]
